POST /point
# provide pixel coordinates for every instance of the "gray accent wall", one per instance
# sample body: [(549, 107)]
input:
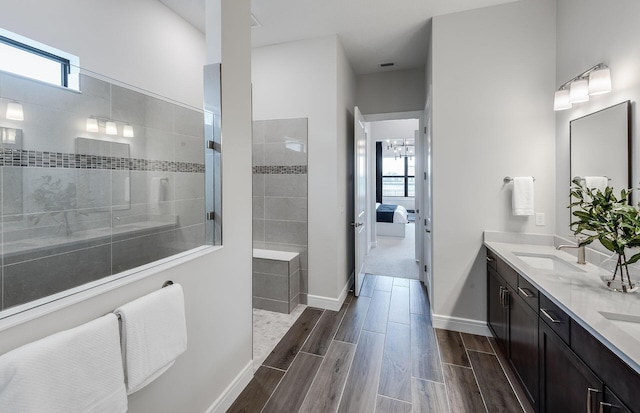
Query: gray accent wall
[(280, 201)]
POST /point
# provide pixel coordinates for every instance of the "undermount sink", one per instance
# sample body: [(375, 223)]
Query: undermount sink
[(547, 262), (628, 322)]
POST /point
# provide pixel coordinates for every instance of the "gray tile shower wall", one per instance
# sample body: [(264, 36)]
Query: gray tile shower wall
[(280, 201), (78, 206)]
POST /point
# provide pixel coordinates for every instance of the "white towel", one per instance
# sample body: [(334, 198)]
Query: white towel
[(522, 202), (77, 370), (153, 334), (596, 182)]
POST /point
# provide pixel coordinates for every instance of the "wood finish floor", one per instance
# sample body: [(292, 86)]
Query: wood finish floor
[(379, 354)]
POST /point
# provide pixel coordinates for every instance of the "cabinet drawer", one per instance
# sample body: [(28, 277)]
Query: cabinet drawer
[(612, 404), (491, 260), (528, 293), (509, 274), (555, 318)]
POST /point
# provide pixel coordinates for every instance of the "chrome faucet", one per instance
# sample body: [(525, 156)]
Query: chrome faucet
[(580, 248)]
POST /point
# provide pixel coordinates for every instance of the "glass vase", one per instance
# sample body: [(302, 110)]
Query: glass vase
[(617, 275)]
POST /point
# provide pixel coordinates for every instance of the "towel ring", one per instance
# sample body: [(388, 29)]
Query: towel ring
[(167, 283)]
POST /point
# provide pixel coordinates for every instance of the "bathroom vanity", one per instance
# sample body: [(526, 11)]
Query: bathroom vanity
[(573, 344)]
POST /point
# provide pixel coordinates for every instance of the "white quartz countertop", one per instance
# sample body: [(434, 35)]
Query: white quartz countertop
[(580, 293)]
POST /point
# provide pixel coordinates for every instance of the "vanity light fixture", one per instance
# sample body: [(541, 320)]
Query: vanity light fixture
[(14, 111), (127, 131), (111, 128), (92, 124), (594, 81)]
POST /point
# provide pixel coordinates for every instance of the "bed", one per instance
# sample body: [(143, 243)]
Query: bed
[(391, 220)]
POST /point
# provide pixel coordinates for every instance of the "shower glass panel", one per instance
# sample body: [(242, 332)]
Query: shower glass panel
[(97, 184)]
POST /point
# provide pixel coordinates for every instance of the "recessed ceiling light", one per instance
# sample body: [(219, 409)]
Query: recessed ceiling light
[(387, 64)]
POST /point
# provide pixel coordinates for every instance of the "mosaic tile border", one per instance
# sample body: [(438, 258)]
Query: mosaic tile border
[(280, 170), (25, 158)]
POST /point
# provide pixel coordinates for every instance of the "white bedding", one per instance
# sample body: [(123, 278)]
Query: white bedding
[(400, 215)]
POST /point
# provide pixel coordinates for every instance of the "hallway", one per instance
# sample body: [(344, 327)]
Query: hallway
[(394, 256), (379, 353)]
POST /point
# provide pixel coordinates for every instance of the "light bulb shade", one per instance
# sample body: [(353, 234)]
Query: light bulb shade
[(92, 125), (14, 111), (600, 81), (579, 91), (110, 128), (127, 131), (561, 100)]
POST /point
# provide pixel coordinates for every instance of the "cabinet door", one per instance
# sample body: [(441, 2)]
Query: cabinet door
[(611, 404), (497, 309), (567, 385), (524, 345)]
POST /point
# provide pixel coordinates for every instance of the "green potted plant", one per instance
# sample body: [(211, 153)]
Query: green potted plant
[(600, 215)]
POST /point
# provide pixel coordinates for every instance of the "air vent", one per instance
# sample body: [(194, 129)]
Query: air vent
[(254, 22), (387, 64)]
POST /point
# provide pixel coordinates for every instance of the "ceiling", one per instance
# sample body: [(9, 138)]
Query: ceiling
[(371, 31)]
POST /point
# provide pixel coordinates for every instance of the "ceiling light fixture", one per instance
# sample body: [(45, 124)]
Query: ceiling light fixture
[(111, 128), (594, 81), (14, 111)]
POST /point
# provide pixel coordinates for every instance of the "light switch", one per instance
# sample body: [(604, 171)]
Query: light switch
[(540, 219)]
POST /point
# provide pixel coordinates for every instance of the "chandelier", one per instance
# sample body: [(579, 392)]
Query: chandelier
[(402, 148)]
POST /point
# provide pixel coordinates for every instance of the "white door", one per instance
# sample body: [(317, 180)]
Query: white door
[(359, 197)]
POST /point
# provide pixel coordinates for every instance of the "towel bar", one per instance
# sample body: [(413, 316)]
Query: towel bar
[(579, 178), (166, 284), (508, 179)]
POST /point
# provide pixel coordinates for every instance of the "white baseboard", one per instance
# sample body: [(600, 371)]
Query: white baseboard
[(329, 303), (463, 325), (232, 392)]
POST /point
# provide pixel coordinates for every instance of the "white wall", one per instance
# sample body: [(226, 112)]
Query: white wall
[(394, 129), (591, 32), (217, 285), (300, 80), (390, 92), (493, 81)]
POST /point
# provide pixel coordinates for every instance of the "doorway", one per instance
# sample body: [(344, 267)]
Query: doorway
[(393, 142)]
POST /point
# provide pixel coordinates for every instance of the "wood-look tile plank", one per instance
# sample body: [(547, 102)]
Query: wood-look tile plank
[(378, 313), (295, 384), (496, 391), (387, 405), (384, 283), (399, 307), (395, 376), (425, 359), (258, 391), (511, 376), (353, 319), (349, 297), (368, 285), (320, 339), (419, 300), (287, 349), (462, 390), (361, 388), (324, 394), (452, 348), (477, 343), (429, 396), (400, 282)]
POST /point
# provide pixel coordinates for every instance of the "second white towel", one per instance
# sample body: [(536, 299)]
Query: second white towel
[(522, 202), (153, 334)]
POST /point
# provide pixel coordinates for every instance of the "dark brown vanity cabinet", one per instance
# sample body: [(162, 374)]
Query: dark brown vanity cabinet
[(514, 323), (561, 366), (566, 383)]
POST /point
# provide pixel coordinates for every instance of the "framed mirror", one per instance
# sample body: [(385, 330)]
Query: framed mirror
[(601, 147)]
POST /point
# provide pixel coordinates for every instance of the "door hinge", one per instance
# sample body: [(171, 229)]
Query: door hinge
[(210, 216), (425, 268), (425, 176), (214, 145), (425, 130), (425, 222)]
